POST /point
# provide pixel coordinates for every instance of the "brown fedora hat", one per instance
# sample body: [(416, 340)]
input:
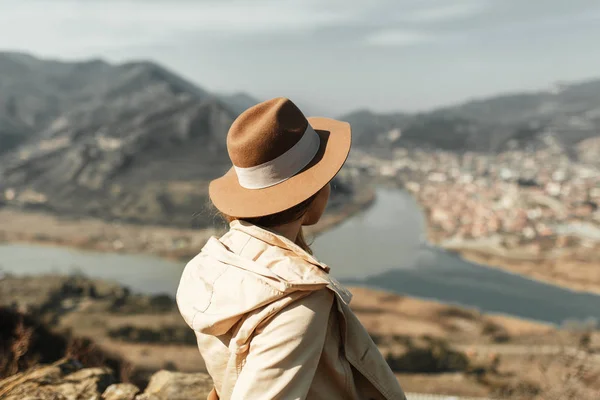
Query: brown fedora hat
[(280, 158)]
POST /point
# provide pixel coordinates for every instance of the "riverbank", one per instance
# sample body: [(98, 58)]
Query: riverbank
[(576, 269), (566, 272), (168, 242), (534, 213), (566, 261), (432, 347), (382, 247)]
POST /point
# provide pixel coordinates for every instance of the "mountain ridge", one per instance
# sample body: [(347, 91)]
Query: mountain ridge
[(570, 112), (131, 142)]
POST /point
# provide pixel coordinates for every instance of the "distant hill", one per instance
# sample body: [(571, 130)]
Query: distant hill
[(239, 102), (129, 142), (132, 141), (571, 113), (368, 127), (12, 133)]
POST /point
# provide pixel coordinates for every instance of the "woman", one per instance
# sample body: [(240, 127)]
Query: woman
[(269, 320)]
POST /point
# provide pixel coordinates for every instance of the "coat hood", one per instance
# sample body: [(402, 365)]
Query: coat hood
[(239, 281)]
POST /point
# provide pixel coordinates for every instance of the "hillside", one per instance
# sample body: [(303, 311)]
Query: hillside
[(130, 142), (570, 113), (432, 347), (238, 102)]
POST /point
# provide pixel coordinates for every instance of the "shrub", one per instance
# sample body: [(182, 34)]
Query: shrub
[(435, 358), (24, 343), (165, 334)]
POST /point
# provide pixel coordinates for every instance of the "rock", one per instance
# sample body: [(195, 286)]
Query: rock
[(145, 396), (86, 383), (120, 391), (166, 385), (63, 380)]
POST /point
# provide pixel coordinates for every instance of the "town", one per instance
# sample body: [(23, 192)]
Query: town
[(521, 205)]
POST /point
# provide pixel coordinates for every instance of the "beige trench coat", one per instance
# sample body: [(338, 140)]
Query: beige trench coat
[(272, 324)]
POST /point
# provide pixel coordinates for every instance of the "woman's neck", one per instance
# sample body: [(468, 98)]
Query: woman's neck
[(290, 230)]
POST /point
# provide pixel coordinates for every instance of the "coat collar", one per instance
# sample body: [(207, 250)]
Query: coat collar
[(275, 239)]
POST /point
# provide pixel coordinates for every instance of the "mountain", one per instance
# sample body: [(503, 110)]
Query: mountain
[(12, 133), (131, 141), (569, 112), (369, 128), (239, 102)]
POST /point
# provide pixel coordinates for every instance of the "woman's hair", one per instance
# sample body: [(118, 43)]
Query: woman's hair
[(281, 218)]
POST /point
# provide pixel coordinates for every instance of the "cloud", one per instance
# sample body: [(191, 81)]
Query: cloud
[(115, 28), (258, 15), (71, 27), (447, 12), (412, 26), (397, 37)]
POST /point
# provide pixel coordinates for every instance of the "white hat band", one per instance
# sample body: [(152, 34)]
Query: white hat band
[(283, 167)]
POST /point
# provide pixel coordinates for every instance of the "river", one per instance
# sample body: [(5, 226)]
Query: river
[(383, 247)]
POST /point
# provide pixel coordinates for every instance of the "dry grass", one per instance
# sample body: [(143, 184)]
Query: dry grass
[(24, 343), (572, 373), (21, 341), (90, 354), (14, 349)]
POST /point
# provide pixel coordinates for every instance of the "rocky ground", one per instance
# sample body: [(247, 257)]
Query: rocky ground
[(432, 347), (67, 379)]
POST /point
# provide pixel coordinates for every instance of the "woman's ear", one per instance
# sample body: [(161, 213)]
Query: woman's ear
[(317, 207)]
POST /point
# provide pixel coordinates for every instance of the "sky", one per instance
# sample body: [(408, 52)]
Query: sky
[(331, 56)]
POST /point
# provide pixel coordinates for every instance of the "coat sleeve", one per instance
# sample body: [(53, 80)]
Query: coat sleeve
[(283, 356)]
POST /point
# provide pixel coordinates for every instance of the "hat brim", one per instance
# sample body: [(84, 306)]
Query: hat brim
[(236, 201)]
